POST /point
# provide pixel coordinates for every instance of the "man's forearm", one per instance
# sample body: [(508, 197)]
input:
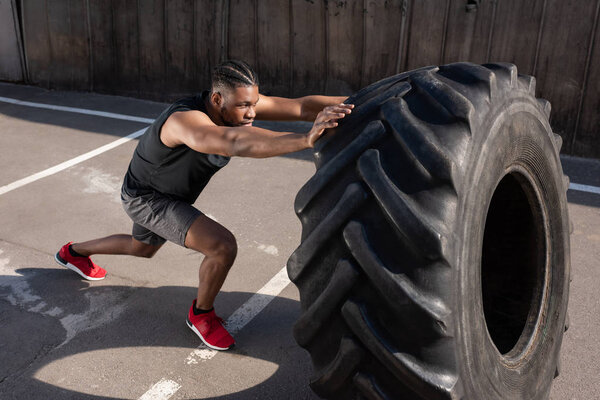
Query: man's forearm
[(312, 105), (257, 142), (263, 143)]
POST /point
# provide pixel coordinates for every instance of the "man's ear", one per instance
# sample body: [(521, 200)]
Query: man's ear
[(216, 98)]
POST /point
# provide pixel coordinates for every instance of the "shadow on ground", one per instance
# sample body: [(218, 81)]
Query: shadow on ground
[(584, 172), (57, 316), (583, 198)]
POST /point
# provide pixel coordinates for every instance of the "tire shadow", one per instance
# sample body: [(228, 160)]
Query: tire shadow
[(583, 171)]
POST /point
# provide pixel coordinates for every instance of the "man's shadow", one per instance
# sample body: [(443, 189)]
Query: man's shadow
[(58, 316)]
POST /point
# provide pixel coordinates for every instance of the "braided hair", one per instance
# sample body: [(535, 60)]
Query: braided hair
[(232, 74)]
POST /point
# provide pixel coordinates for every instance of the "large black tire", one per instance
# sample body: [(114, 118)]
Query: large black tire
[(434, 261)]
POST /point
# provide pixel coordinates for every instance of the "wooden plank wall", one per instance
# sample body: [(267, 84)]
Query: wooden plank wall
[(161, 49), (11, 60)]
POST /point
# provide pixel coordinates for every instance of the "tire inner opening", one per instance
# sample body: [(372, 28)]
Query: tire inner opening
[(512, 264)]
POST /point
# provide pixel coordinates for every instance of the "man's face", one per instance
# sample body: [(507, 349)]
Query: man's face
[(238, 105)]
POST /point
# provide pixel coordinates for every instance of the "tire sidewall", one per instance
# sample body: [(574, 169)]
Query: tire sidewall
[(516, 136)]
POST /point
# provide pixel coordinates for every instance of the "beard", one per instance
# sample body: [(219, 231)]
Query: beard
[(225, 118)]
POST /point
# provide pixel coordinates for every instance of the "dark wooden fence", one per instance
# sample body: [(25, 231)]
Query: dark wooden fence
[(162, 49)]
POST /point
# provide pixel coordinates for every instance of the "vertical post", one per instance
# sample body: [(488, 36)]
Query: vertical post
[(19, 28), (257, 66), (91, 50), (363, 58), (194, 46), (491, 33), (224, 31), (445, 30), (139, 58), (402, 37), (539, 40)]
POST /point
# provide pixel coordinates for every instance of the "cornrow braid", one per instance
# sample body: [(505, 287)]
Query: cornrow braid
[(232, 74)]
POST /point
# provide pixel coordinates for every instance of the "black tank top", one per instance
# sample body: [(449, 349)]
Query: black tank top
[(179, 172)]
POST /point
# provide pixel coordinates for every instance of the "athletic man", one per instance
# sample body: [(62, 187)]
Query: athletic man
[(174, 160)]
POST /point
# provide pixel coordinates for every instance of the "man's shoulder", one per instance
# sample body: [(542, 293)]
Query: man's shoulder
[(183, 117), (192, 106)]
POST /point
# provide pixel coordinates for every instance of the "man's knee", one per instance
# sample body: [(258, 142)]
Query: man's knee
[(144, 250), (147, 253), (211, 239), (225, 249)]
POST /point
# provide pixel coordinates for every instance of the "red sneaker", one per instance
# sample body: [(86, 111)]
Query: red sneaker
[(209, 327), (82, 265)]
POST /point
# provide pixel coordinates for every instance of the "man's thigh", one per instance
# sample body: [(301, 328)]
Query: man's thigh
[(158, 218)]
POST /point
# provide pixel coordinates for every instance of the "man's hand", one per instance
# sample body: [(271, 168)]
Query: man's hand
[(326, 119)]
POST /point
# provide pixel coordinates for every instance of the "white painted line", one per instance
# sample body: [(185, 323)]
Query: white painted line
[(162, 390), (201, 354), (76, 110), (257, 302), (244, 314), (69, 163), (584, 188)]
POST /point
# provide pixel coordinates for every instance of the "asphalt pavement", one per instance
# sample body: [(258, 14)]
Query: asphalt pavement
[(125, 337)]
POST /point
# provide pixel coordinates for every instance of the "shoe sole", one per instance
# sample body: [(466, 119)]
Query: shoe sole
[(193, 328), (73, 268)]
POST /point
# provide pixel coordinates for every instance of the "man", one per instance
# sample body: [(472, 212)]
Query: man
[(174, 160)]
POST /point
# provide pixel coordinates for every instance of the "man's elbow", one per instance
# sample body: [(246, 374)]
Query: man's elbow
[(308, 113), (244, 148), (308, 116), (229, 144)]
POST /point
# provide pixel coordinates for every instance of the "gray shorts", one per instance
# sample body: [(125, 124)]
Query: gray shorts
[(158, 217)]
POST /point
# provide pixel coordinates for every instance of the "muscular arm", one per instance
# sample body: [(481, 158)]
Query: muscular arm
[(301, 109), (196, 130)]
